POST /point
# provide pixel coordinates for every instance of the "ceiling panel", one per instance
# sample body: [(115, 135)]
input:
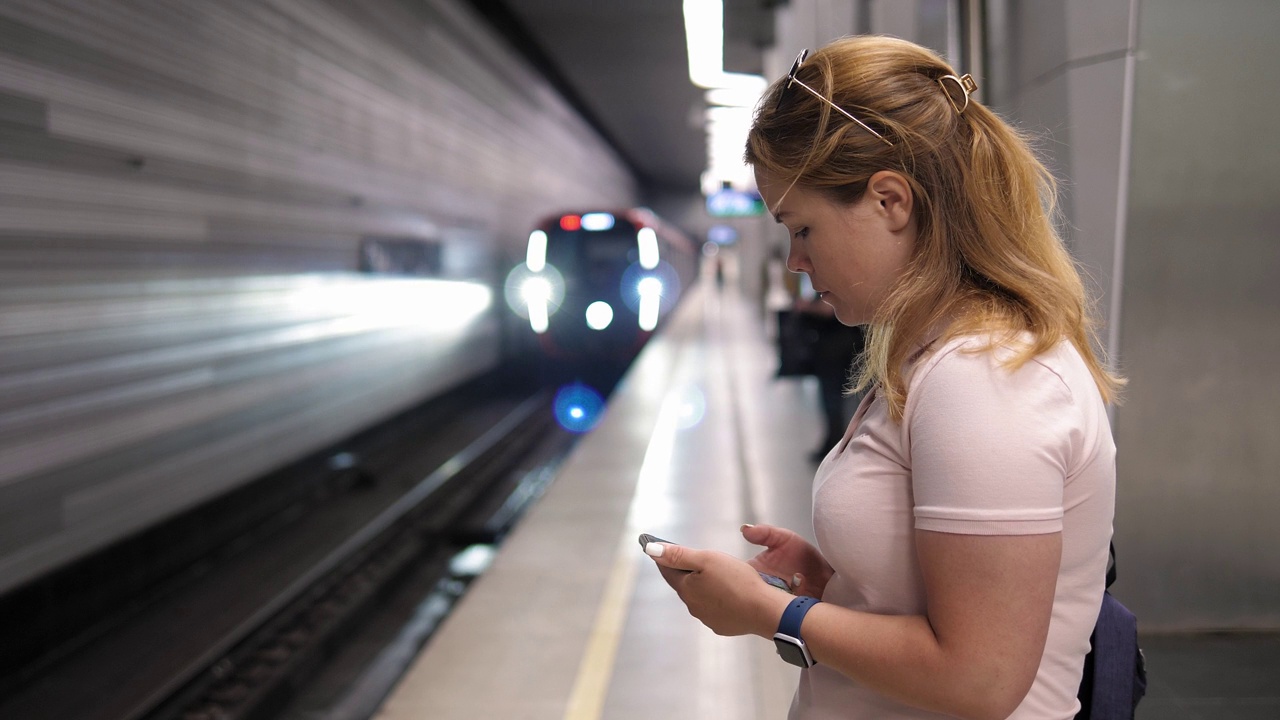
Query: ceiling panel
[(624, 64)]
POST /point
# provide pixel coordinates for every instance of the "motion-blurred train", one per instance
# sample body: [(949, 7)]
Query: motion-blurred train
[(595, 285)]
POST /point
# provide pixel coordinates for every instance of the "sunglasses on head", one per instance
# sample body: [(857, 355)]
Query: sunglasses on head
[(792, 81)]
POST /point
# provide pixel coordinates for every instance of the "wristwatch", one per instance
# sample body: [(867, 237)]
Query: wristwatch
[(787, 640)]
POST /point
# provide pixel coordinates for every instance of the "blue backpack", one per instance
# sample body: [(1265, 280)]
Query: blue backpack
[(1115, 672)]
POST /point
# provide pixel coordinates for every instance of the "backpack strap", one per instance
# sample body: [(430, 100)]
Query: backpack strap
[(1115, 676), (1111, 567)]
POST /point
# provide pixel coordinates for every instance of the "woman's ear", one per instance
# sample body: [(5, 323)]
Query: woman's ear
[(893, 198)]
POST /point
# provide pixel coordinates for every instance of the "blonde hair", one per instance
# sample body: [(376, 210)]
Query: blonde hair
[(987, 259)]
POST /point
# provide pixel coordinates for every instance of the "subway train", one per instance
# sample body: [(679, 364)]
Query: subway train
[(191, 283), (595, 285)]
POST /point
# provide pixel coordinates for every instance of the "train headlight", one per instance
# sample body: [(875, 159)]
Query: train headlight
[(534, 295), (649, 286), (597, 221), (650, 293), (536, 253), (599, 315), (647, 240), (650, 290), (536, 289), (536, 292)]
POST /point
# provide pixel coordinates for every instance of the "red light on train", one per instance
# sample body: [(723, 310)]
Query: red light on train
[(570, 222)]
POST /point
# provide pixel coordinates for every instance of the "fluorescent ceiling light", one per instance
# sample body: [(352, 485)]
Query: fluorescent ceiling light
[(731, 96), (704, 36), (734, 97)]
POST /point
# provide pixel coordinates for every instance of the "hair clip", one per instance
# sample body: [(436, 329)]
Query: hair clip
[(967, 85)]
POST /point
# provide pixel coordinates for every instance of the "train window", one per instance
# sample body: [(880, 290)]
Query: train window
[(608, 247), (577, 250)]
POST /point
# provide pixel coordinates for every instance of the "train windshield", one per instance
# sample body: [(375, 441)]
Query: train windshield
[(597, 256)]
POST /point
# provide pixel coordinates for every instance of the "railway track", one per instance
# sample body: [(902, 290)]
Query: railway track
[(242, 637)]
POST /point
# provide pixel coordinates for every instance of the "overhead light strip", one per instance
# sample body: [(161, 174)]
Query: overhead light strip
[(704, 37), (732, 96)]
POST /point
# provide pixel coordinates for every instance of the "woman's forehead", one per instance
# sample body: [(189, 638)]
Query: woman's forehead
[(778, 192), (767, 182)]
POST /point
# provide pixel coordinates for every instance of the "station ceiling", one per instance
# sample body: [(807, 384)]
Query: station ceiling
[(624, 65)]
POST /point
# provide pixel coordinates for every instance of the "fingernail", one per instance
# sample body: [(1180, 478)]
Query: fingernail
[(653, 549), (795, 580), (745, 527)]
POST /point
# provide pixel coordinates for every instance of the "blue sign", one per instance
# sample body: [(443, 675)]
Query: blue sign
[(722, 234), (734, 203)]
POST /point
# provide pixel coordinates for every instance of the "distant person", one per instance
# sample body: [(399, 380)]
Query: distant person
[(779, 286), (963, 522), (837, 349)]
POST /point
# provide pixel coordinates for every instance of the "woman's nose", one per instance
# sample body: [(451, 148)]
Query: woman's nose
[(797, 260)]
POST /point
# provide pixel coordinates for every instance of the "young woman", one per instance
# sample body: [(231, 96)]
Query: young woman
[(963, 521)]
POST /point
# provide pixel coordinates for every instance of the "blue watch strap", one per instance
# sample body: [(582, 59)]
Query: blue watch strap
[(793, 616)]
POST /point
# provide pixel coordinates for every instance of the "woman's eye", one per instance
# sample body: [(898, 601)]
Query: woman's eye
[(801, 234)]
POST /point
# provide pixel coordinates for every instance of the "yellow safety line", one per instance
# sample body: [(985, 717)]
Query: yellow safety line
[(596, 670)]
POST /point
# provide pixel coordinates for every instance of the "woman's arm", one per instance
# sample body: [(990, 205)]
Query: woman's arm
[(976, 653)]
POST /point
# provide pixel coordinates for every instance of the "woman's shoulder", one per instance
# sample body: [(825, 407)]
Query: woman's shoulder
[(999, 358)]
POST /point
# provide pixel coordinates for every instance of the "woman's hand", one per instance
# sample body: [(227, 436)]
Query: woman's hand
[(789, 556), (721, 591)]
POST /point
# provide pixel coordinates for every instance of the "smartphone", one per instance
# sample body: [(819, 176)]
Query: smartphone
[(774, 580)]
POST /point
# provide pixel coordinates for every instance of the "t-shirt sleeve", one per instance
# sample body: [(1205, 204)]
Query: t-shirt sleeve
[(989, 447)]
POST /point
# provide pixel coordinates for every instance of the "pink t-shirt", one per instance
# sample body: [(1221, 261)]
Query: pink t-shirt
[(982, 451)]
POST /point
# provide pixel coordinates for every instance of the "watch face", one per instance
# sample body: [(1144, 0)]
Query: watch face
[(792, 653)]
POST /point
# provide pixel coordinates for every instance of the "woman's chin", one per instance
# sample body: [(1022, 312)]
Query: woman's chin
[(847, 317)]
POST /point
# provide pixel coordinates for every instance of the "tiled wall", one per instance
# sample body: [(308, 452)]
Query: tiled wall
[(183, 191)]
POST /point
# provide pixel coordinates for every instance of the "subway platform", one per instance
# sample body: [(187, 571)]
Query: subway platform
[(573, 622)]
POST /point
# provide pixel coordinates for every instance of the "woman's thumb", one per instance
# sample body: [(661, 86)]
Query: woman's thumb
[(758, 534), (670, 555)]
